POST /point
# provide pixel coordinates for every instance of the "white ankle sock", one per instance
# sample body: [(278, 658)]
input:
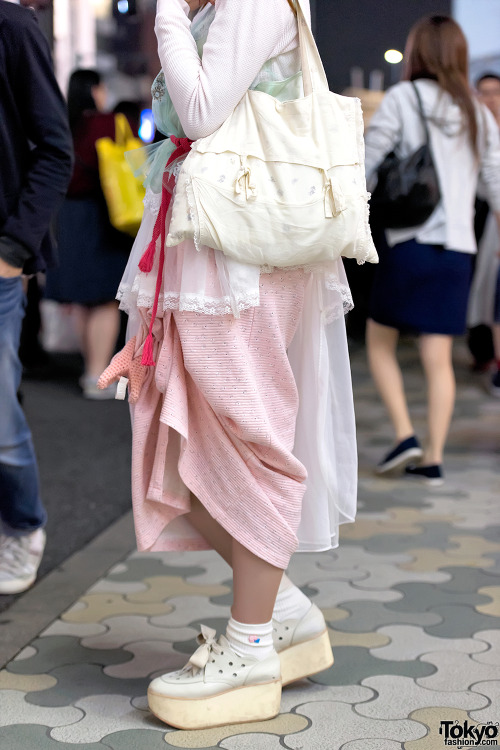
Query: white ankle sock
[(250, 640), (291, 603)]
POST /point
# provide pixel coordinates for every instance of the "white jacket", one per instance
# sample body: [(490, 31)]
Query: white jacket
[(397, 126)]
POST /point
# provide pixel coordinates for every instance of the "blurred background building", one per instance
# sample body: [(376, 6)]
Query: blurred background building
[(117, 36)]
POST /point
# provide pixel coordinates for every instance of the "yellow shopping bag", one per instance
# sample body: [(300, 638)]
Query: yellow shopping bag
[(123, 191)]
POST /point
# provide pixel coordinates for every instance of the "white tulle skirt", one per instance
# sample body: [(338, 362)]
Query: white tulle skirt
[(207, 282)]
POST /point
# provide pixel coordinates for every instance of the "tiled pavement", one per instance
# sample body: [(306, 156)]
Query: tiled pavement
[(412, 599)]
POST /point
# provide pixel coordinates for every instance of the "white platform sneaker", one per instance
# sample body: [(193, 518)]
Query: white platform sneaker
[(217, 687), (20, 558), (303, 646)]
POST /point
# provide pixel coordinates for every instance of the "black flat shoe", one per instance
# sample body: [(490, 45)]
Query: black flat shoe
[(401, 455), (431, 475)]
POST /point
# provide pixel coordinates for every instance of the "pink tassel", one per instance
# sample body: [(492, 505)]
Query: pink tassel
[(147, 260), (147, 353)]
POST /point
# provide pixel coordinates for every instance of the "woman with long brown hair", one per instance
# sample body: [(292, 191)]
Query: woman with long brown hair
[(422, 284)]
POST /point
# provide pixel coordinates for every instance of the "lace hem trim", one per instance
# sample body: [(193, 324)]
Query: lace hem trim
[(346, 303), (190, 302), (186, 302)]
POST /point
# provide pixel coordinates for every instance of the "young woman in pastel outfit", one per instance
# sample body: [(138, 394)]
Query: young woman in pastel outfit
[(243, 432)]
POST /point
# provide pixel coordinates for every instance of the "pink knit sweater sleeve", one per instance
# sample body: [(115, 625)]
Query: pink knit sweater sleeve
[(243, 36)]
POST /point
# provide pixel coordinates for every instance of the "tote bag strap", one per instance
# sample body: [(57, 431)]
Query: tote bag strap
[(313, 72), (421, 110)]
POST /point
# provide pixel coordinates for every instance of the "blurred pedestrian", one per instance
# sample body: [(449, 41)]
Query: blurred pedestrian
[(422, 283), (484, 303), (35, 169), (132, 111), (488, 91), (92, 254)]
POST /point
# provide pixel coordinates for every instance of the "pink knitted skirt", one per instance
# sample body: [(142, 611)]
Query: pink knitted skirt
[(216, 419)]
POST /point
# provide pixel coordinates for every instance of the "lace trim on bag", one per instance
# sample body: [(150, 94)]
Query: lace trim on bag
[(193, 214), (365, 234), (364, 242)]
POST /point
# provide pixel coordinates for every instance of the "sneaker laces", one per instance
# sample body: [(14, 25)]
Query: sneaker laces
[(12, 553), (208, 646)]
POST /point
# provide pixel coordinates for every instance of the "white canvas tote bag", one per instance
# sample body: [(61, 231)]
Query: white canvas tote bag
[(280, 184)]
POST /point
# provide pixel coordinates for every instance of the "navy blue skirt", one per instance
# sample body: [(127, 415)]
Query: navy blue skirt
[(421, 288), (497, 300), (92, 255)]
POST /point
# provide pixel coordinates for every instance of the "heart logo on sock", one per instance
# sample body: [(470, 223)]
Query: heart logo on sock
[(253, 639)]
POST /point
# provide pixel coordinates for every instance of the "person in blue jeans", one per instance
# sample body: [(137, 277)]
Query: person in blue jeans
[(35, 169)]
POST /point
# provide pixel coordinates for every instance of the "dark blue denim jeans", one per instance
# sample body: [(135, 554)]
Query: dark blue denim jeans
[(21, 509)]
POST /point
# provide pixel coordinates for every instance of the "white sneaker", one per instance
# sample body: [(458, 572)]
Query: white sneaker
[(303, 646), (217, 687), (20, 558)]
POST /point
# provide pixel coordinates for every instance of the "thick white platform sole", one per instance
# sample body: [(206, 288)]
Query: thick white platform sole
[(17, 585), (244, 704), (306, 658)]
